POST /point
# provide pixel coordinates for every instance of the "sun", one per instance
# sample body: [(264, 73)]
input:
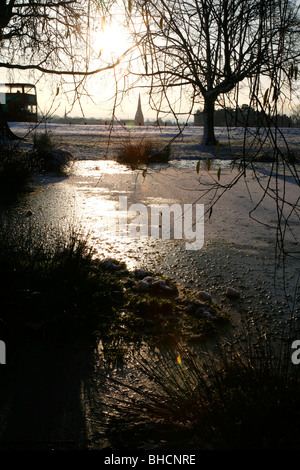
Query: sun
[(111, 42)]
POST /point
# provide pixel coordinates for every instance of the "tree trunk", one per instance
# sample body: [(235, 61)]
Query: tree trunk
[(5, 131), (209, 125)]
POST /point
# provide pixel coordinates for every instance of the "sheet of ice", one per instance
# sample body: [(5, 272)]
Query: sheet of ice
[(239, 249)]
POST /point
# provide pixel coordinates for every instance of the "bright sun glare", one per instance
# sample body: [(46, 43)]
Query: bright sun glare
[(111, 42)]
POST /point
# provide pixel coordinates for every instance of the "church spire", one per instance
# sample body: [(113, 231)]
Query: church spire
[(139, 118)]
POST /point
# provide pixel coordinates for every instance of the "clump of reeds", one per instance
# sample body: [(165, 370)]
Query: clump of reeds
[(136, 152), (242, 394), (51, 285)]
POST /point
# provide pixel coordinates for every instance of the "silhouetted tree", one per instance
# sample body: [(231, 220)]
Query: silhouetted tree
[(48, 36), (211, 46)]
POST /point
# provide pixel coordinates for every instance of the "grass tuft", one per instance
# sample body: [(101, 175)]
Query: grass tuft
[(53, 288), (143, 152), (48, 155), (242, 394)]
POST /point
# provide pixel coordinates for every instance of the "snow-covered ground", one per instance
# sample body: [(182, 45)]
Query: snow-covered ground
[(100, 141)]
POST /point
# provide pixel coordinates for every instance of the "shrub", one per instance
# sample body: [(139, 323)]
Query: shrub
[(43, 142), (48, 155)]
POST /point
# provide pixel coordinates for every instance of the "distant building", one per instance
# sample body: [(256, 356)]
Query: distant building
[(139, 118), (199, 118), (243, 116)]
